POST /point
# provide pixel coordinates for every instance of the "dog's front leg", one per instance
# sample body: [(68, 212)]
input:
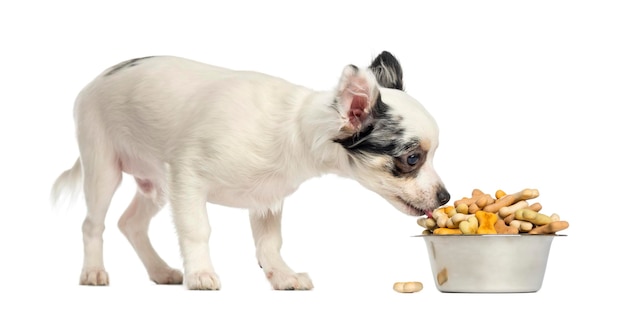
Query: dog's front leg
[(268, 240), (188, 200)]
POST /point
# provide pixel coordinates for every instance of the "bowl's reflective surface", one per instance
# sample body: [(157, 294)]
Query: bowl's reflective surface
[(488, 263)]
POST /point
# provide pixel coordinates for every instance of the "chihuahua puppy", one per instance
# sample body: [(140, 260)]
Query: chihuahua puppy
[(191, 133)]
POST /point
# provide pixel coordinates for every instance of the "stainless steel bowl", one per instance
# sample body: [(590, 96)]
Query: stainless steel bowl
[(488, 263)]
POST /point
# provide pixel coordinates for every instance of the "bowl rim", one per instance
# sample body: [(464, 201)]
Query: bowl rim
[(488, 235)]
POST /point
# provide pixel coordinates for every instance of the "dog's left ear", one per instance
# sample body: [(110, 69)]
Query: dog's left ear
[(388, 71), (356, 95)]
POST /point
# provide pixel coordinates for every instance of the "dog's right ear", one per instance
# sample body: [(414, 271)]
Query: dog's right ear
[(356, 95), (388, 71)]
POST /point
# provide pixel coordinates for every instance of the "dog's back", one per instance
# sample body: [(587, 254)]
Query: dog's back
[(149, 102)]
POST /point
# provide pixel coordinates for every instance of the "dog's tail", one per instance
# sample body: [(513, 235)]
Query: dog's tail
[(68, 185)]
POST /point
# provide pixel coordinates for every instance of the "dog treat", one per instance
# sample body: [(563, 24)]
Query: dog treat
[(555, 217), (449, 210), (476, 193), (502, 228), (484, 200), (455, 220), (473, 208), (440, 217), (470, 226), (511, 199), (531, 216), (486, 222), (428, 223), (505, 211), (447, 231), (533, 207), (500, 214), (500, 194), (462, 208), (522, 226), (443, 215), (508, 219), (442, 276), (550, 228), (407, 287)]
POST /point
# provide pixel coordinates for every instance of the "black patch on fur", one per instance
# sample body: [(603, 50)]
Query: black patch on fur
[(125, 64), (382, 136), (388, 71)]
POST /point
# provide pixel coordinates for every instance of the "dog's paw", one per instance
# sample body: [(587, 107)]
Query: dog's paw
[(94, 277), (202, 281), (289, 281), (167, 276)]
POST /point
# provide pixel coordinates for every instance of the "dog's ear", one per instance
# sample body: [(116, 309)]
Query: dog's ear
[(356, 95), (388, 71)]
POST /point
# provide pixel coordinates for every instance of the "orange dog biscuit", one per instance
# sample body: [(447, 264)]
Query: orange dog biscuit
[(486, 222)]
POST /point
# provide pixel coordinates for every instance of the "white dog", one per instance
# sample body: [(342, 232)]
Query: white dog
[(192, 133)]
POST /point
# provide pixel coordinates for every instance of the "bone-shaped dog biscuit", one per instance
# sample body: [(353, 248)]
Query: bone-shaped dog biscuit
[(500, 194), (447, 231), (473, 208), (469, 226), (449, 210), (484, 200), (476, 193), (407, 287), (427, 223), (454, 221), (502, 228), (522, 226), (534, 217), (486, 222), (511, 199), (505, 211), (550, 228), (511, 217), (462, 208), (441, 217)]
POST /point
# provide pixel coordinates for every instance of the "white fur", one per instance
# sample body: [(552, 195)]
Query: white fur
[(191, 133)]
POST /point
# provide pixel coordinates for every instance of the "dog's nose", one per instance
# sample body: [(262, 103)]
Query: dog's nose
[(443, 196)]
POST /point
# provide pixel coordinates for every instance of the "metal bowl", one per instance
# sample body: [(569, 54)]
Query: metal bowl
[(488, 263)]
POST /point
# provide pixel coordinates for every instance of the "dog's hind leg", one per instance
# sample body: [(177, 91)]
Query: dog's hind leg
[(134, 223), (102, 175), (266, 230)]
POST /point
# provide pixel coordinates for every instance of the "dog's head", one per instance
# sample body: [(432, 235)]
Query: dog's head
[(389, 137)]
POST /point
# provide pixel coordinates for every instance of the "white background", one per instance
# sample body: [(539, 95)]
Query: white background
[(526, 93)]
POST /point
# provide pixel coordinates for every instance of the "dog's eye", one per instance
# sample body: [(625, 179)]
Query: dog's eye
[(409, 162), (413, 159)]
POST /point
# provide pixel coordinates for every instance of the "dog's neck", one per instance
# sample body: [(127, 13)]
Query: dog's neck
[(320, 124)]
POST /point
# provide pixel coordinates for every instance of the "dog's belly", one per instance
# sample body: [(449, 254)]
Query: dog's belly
[(245, 198), (233, 191)]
